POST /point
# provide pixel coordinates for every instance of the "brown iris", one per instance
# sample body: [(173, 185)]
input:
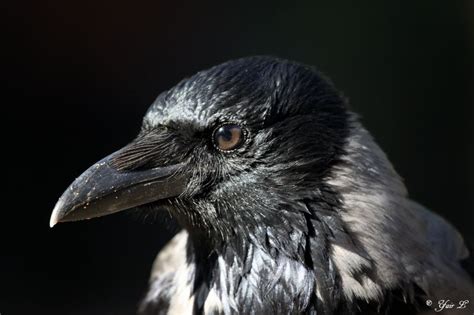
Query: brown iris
[(228, 137)]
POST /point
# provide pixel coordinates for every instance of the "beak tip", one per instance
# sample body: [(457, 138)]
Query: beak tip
[(52, 222), (56, 215)]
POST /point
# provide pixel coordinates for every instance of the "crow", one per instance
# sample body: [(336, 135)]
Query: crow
[(286, 203)]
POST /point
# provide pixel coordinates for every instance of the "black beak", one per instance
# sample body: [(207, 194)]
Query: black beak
[(102, 190)]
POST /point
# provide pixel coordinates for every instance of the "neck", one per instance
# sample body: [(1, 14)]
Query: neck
[(244, 273)]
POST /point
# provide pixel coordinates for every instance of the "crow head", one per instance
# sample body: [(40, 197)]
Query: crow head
[(228, 152), (288, 204)]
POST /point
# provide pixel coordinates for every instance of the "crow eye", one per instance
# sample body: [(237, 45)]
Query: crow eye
[(228, 137)]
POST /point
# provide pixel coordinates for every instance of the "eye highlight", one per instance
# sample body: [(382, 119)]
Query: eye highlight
[(228, 137)]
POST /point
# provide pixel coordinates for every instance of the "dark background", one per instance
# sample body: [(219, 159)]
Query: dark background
[(78, 77)]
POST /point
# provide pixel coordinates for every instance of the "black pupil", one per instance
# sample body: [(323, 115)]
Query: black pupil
[(226, 132)]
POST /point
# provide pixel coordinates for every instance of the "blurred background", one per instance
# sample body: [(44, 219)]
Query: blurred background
[(77, 78)]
